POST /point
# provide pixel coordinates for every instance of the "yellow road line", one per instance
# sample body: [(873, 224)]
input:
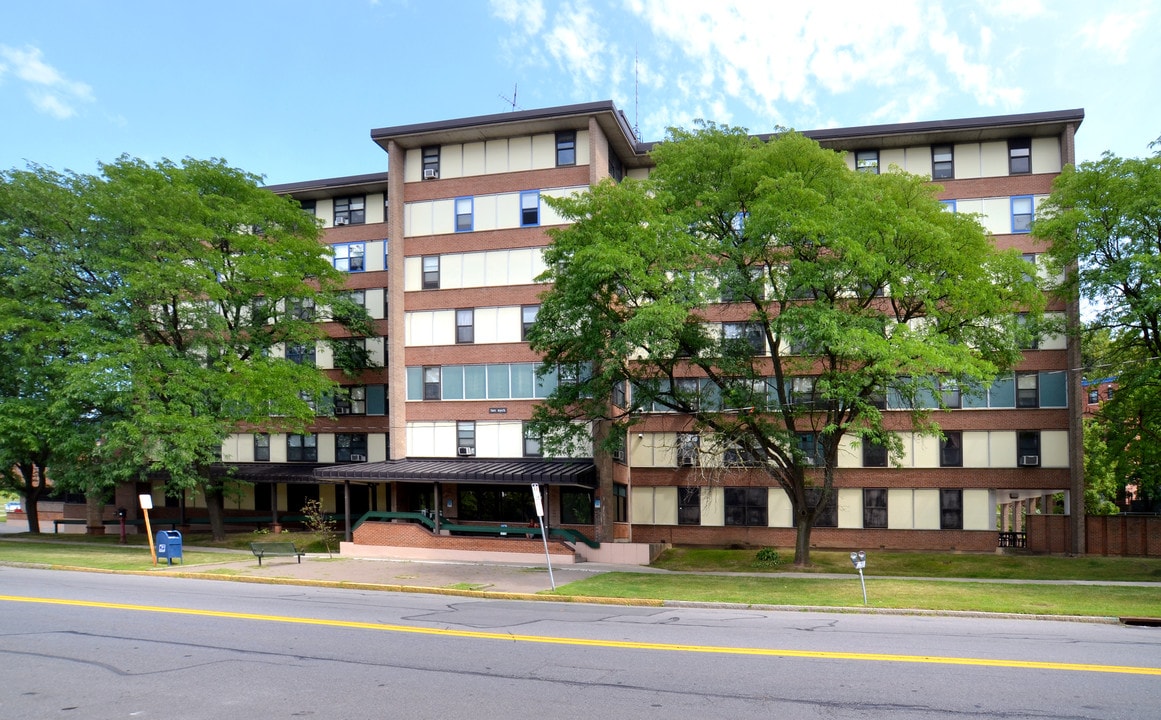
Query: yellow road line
[(723, 650)]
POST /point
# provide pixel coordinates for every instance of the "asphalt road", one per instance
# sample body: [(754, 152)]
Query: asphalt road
[(82, 645)]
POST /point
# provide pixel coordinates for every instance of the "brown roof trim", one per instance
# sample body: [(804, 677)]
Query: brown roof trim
[(960, 124), (327, 186)]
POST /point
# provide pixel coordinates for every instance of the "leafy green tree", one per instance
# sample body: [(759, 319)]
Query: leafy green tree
[(180, 287), (842, 288), (1104, 221)]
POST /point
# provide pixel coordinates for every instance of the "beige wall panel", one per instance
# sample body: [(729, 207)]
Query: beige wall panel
[(1054, 448), (1046, 155), (850, 456), (484, 215), (919, 160), (326, 498), (642, 506), (277, 447), (421, 439), (511, 439), (638, 173), (665, 506), (926, 451), (582, 147), (460, 271), (443, 217), (994, 159), (374, 208), (496, 156), (997, 215), (1002, 449), (497, 325), (926, 509), (967, 160), (1054, 341), (418, 219), (979, 510), (377, 447), (508, 210), (451, 161), (976, 453), (907, 459), (413, 168), (496, 267), (713, 506), (374, 299), (548, 216), (375, 259), (325, 208), (543, 151), (519, 153), (970, 207), (230, 448), (850, 507), (849, 159), (412, 274), (326, 447), (324, 357), (900, 508), (420, 328), (893, 156), (779, 513)]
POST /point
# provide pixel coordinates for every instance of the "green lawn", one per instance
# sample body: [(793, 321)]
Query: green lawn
[(102, 556)]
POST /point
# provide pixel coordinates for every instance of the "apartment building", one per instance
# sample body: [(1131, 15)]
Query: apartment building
[(444, 250)]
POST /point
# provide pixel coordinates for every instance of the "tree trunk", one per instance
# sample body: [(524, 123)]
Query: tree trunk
[(802, 542), (215, 508), (94, 514), (32, 492)]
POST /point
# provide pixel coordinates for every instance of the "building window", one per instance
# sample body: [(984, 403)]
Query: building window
[(300, 354), (431, 272), (465, 326), (1028, 448), (566, 148), (431, 162), (867, 161), (358, 297), (616, 169), (308, 206), (463, 214), (527, 319), (532, 445), (431, 377), (301, 309), (688, 449), (948, 205), (750, 332), (1094, 396), (950, 396), (1020, 156), (466, 438), (942, 162), (874, 453), (689, 506), (1022, 214), (1109, 392), (350, 210), (620, 503), (875, 508), (828, 515), (576, 506), (351, 447), (1029, 338), (349, 256), (302, 448), (262, 447), (351, 401), (738, 454), (812, 450), (746, 506), (951, 449), (1028, 390), (530, 208), (950, 509)]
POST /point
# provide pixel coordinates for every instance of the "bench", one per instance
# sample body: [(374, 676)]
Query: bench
[(275, 549)]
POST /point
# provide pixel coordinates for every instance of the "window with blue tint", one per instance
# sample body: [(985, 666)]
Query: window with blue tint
[(1053, 389), (1022, 213), (530, 208), (349, 257), (546, 384), (301, 354), (948, 205), (499, 383), (475, 382), (524, 381), (1003, 392), (463, 207), (414, 383), (453, 382)]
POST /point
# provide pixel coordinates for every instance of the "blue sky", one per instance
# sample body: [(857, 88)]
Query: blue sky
[(291, 89)]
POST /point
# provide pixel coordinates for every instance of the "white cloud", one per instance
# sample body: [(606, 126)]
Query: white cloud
[(1112, 35), (528, 14), (50, 91)]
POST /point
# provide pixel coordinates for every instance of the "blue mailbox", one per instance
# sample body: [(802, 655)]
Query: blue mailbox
[(169, 545)]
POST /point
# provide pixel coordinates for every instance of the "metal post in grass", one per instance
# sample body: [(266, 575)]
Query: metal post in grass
[(859, 560)]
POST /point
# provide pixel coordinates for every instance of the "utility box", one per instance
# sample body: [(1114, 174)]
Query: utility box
[(169, 545)]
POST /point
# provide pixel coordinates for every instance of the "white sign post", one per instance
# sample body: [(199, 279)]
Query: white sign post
[(147, 505), (543, 534)]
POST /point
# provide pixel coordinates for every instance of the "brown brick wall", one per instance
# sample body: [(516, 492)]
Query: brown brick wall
[(820, 538), (501, 182), (1113, 535), (412, 535)]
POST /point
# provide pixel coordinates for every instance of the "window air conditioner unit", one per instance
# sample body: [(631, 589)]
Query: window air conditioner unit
[(342, 411), (357, 457), (809, 462), (1029, 460), (341, 221), (619, 455), (465, 451), (685, 462), (430, 174)]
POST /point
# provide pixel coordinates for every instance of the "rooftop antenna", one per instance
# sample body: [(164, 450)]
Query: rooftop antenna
[(511, 100)]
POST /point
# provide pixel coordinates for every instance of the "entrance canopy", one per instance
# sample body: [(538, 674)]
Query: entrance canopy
[(582, 473)]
